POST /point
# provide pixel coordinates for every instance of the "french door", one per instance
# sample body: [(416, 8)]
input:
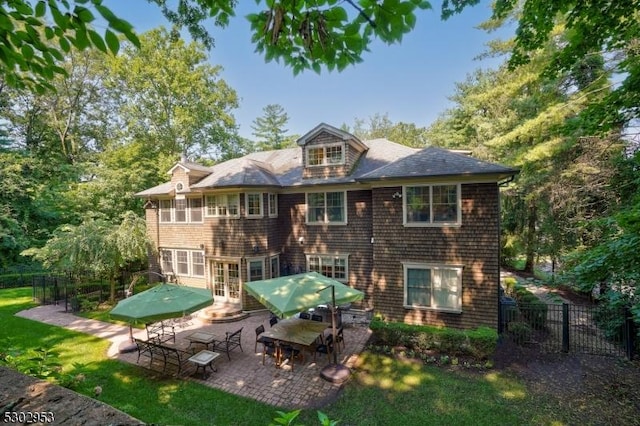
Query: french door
[(226, 282)]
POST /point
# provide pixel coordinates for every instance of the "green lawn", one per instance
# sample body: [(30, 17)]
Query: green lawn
[(383, 391)]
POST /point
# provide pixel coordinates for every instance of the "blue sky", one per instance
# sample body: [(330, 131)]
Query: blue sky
[(410, 82)]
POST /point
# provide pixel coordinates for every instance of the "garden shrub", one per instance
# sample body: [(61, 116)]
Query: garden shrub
[(532, 309), (520, 332), (420, 339)]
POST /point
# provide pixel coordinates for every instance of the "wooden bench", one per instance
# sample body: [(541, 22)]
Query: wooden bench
[(231, 341), (169, 355), (161, 331)]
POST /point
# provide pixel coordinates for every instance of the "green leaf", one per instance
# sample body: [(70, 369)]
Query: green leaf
[(112, 41), (81, 41), (27, 51), (61, 20), (97, 40), (64, 44), (41, 9), (84, 14)]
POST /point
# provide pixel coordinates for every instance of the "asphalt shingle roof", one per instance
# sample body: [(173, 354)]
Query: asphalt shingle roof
[(381, 161), (433, 161)]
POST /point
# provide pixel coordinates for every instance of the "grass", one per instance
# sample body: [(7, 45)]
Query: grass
[(383, 391)]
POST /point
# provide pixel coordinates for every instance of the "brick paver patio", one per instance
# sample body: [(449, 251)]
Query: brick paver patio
[(244, 374)]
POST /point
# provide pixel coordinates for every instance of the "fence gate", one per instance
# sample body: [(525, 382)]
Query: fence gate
[(569, 328)]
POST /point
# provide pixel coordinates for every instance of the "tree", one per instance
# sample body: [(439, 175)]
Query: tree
[(380, 126), (169, 98), (66, 122), (600, 28), (533, 120), (269, 129), (96, 245), (32, 47), (307, 34)]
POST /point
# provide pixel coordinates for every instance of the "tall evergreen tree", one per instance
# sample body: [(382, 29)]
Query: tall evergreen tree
[(270, 129)]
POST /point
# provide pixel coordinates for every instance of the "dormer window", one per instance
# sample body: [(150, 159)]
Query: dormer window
[(325, 155), (179, 187)]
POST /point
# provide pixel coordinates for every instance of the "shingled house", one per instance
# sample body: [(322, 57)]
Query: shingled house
[(417, 230)]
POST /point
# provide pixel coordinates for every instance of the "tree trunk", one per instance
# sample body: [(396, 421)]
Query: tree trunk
[(531, 237)]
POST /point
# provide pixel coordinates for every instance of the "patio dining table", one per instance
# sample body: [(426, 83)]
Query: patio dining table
[(296, 331)]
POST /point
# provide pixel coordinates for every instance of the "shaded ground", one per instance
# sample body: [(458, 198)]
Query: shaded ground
[(596, 390), (26, 396)]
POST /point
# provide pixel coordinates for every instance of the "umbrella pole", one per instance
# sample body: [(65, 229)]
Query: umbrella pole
[(333, 323), (131, 332)]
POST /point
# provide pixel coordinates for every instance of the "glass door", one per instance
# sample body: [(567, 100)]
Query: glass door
[(226, 282)]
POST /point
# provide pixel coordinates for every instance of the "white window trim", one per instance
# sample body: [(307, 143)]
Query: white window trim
[(431, 223), (324, 155), (187, 211), (255, 259), (160, 209), (190, 209), (190, 266), (326, 221), (246, 205), (432, 266), (274, 204), (344, 257), (206, 208), (277, 258)]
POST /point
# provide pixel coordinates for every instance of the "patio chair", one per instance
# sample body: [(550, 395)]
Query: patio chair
[(324, 348), (305, 315), (273, 320), (315, 317), (268, 348), (290, 352), (231, 341), (260, 339)]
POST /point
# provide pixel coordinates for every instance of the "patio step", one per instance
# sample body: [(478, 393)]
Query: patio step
[(222, 312)]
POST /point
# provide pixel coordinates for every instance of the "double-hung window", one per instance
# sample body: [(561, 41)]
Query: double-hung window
[(433, 286), (431, 205), (165, 211), (223, 205), (255, 269), (195, 209), (182, 262), (197, 263), (181, 210), (274, 263), (273, 205), (254, 204), (327, 207), (166, 261), (331, 266)]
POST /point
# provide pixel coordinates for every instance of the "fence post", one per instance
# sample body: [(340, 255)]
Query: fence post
[(565, 327), (630, 334)]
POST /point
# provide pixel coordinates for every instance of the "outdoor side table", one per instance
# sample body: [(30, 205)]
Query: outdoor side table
[(204, 359), (201, 337)]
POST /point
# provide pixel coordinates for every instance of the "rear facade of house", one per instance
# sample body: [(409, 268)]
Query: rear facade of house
[(417, 231)]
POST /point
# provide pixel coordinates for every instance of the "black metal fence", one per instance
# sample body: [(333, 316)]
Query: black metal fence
[(74, 289), (18, 276), (585, 329)]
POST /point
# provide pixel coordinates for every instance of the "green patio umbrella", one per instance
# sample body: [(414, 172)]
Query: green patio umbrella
[(286, 296), (161, 302)]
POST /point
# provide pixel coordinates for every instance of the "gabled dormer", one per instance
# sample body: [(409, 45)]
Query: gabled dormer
[(185, 173), (329, 152)]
